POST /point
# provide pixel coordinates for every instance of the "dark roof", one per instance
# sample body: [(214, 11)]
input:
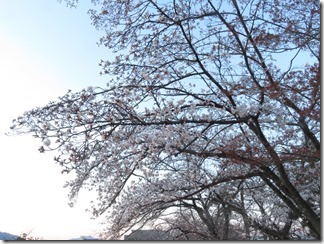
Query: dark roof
[(148, 235)]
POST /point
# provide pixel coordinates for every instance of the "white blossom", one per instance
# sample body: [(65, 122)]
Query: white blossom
[(47, 142)]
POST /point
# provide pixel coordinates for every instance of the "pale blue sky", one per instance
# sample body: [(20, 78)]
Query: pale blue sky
[(46, 48)]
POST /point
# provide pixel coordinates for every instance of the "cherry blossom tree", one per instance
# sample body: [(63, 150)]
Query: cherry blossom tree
[(207, 100)]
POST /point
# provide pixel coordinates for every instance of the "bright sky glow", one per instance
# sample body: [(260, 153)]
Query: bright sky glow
[(46, 48)]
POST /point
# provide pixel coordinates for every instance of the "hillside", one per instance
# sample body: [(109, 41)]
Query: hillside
[(7, 236)]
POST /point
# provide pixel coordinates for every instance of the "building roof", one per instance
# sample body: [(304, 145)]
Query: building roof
[(148, 235)]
